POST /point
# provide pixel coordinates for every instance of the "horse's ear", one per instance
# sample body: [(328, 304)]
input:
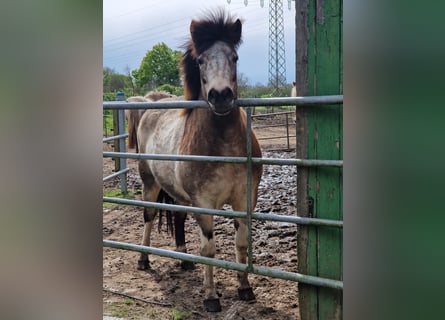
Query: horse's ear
[(237, 29), (192, 29)]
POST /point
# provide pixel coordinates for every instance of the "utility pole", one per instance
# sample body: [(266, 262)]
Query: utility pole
[(277, 54)]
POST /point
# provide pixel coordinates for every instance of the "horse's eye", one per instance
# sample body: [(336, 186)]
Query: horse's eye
[(199, 60)]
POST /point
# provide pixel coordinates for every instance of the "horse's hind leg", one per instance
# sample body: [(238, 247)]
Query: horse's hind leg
[(245, 291), (150, 193), (180, 238), (149, 215)]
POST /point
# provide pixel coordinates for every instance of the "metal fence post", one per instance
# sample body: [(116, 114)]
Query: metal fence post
[(249, 188), (121, 163), (287, 131)]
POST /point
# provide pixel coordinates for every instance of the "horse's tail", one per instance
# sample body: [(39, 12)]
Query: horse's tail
[(163, 197), (133, 118)]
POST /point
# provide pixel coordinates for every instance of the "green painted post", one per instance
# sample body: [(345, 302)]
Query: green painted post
[(319, 131)]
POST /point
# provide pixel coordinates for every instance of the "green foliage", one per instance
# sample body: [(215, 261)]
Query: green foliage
[(109, 96), (107, 122), (259, 91), (177, 91), (159, 66), (113, 81)]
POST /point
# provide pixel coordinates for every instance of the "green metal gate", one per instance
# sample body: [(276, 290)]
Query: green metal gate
[(319, 132)]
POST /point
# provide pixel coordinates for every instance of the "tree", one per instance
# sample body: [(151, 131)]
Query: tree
[(113, 81), (159, 66)]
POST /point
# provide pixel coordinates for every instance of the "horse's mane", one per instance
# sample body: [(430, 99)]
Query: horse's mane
[(215, 26)]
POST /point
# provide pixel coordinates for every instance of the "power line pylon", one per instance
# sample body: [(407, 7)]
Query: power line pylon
[(277, 54)]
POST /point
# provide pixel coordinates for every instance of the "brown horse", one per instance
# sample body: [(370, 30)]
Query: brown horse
[(158, 95), (209, 71), (133, 117)]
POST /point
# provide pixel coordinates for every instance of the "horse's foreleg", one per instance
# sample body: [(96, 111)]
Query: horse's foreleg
[(180, 238), (245, 291), (208, 249)]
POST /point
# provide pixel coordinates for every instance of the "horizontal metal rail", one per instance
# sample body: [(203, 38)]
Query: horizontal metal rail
[(270, 161), (272, 125), (245, 102), (277, 137), (227, 213), (316, 281), (265, 115), (119, 136), (117, 173)]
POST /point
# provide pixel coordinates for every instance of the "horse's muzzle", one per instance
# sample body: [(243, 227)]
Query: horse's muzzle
[(221, 102)]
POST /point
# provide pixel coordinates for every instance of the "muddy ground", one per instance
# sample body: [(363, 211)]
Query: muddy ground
[(167, 292)]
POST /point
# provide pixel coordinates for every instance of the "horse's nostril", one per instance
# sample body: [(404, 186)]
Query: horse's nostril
[(227, 94), (213, 95)]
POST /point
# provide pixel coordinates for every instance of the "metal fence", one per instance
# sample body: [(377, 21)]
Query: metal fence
[(286, 124), (316, 101)]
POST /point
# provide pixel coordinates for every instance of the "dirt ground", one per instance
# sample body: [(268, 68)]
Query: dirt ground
[(167, 292)]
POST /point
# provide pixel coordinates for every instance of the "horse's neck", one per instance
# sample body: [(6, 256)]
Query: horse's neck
[(208, 134)]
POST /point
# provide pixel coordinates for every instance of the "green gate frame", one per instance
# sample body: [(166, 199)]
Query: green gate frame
[(319, 71)]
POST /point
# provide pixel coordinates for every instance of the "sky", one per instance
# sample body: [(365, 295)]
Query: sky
[(132, 27)]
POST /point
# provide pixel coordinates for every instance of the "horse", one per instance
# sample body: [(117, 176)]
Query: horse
[(133, 116), (158, 95), (208, 67), (293, 93)]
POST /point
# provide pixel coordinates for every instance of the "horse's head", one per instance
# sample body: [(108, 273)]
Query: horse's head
[(212, 51), (217, 67)]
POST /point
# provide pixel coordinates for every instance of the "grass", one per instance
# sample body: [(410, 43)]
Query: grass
[(180, 314), (116, 309), (126, 309), (108, 123), (117, 193)]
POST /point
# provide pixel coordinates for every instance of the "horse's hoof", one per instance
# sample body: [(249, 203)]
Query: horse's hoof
[(246, 294), (143, 265), (187, 265), (212, 305)]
